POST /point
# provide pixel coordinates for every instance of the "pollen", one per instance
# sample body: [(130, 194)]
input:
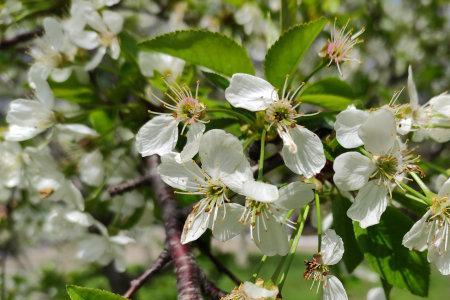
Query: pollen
[(281, 112)]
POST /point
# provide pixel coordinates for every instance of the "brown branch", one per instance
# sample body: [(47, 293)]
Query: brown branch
[(186, 270), (159, 264), (21, 38), (128, 185), (217, 263)]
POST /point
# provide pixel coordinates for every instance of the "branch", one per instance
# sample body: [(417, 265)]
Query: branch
[(162, 261), (128, 185), (186, 270), (210, 288), (21, 38)]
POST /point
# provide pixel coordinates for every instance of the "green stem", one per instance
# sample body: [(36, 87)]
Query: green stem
[(421, 184), (259, 267), (233, 113), (412, 191), (412, 197), (319, 222), (445, 126), (317, 69), (249, 141), (261, 155), (293, 247)]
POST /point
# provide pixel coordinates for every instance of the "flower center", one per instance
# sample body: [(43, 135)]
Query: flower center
[(316, 269), (107, 38), (253, 210), (281, 112), (440, 207), (189, 110), (387, 166)]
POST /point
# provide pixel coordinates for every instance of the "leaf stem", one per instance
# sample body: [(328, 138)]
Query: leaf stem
[(421, 184), (412, 191), (293, 246), (319, 222), (317, 69), (261, 155)]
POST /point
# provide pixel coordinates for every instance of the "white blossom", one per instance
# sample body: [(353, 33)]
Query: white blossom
[(303, 150)]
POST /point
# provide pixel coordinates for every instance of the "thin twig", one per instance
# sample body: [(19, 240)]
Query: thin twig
[(128, 185), (209, 288), (159, 264), (21, 38)]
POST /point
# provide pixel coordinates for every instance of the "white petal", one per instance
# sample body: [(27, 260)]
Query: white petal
[(369, 205), (193, 136), (78, 129), (91, 168), (71, 195), (444, 191), (442, 262), (96, 59), (404, 126), (10, 164), (29, 113), (114, 49), (270, 236), (250, 92), (241, 174), (185, 176), (260, 191), (332, 247), (195, 225), (61, 75), (94, 20), (347, 125), (37, 76), (121, 239), (295, 195), (113, 20), (85, 39), (440, 135), (379, 132), (157, 136), (417, 236), (441, 104), (19, 133), (333, 289), (376, 294), (220, 153), (53, 33), (255, 292), (412, 91), (227, 225), (309, 158), (78, 218), (163, 63), (352, 171)]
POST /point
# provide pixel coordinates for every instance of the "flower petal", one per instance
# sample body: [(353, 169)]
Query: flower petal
[(270, 236), (260, 191), (113, 20), (221, 153), (412, 91), (29, 113), (379, 131), (255, 292), (369, 205), (95, 60), (444, 191), (352, 171), (417, 236), (226, 225), (19, 133), (91, 168), (347, 125), (441, 104), (114, 49), (194, 136), (157, 136), (332, 247), (250, 92), (53, 33), (185, 176), (376, 293), (295, 195), (309, 158), (195, 225), (333, 289)]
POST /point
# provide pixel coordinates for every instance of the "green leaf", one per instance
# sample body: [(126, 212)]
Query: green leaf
[(287, 52), (344, 228), (82, 293), (129, 46), (383, 250), (288, 13), (330, 102), (217, 80), (101, 121), (209, 49)]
